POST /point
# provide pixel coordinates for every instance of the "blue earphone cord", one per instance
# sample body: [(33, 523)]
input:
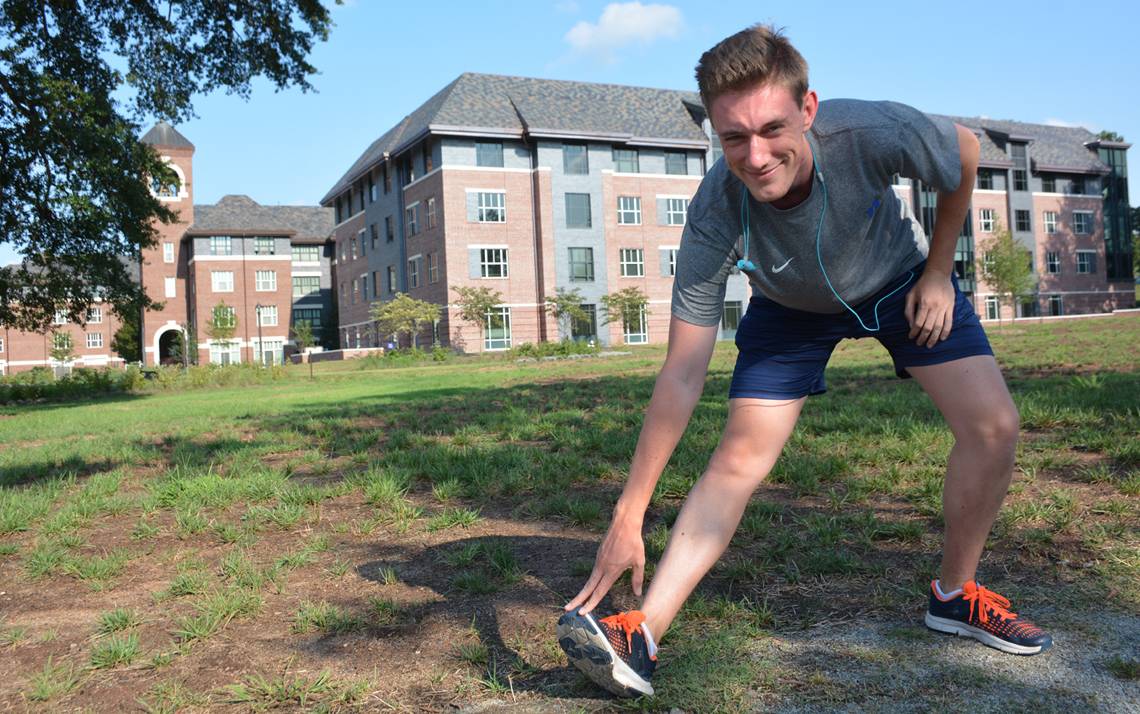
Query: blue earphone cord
[(746, 264)]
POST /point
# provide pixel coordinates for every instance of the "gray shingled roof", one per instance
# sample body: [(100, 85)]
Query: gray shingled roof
[(242, 215), (162, 134), (1059, 148), (510, 106)]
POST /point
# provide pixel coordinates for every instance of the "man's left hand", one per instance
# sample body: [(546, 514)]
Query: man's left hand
[(930, 308)]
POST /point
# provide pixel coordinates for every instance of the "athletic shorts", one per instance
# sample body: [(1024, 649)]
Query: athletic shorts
[(783, 352)]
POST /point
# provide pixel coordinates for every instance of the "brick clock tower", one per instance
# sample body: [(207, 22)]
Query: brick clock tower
[(164, 268)]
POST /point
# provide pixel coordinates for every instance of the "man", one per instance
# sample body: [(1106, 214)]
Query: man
[(803, 204)]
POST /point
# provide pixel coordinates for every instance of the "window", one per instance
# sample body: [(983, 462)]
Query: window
[(94, 316), (94, 340), (306, 254), (265, 281), (1, 344), (489, 153), (222, 281), (343, 293), (1048, 183), (375, 283), (730, 320), (429, 162), (671, 262), (271, 352), (433, 268), (311, 315), (268, 315), (1020, 183), (1077, 185), (355, 291), (61, 340), (220, 245), (629, 210), (676, 162), (391, 279), (373, 235), (60, 317), (632, 262), (585, 329), (493, 262), (497, 329), (412, 219), (1053, 262), (228, 352), (364, 287), (578, 210), (387, 179), (373, 191), (413, 273), (170, 287), (389, 229), (1082, 222), (306, 285), (431, 219), (1086, 261), (634, 329), (352, 251), (986, 220), (985, 179), (581, 265), (491, 207), (1021, 220), (676, 210), (264, 245), (993, 307), (626, 161), (1056, 307), (168, 252), (1049, 219), (574, 159)]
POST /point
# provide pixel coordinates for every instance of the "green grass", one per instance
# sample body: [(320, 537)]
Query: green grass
[(114, 651), (240, 502)]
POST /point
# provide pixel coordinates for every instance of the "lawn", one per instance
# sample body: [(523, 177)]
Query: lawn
[(404, 539)]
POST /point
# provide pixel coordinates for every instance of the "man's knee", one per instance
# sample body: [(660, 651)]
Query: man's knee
[(995, 430)]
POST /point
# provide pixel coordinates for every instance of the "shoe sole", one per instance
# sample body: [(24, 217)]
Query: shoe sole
[(961, 629), (582, 640)]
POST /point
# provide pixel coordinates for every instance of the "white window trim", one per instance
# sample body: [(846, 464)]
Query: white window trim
[(170, 287), (642, 337), (1049, 221), (268, 309), (623, 263), (214, 281), (98, 346), (634, 212), (506, 313), (1081, 253), (1091, 217), (484, 263), (257, 285), (987, 217), (168, 252), (671, 212)]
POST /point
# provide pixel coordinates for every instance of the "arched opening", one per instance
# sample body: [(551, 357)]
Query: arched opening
[(170, 347)]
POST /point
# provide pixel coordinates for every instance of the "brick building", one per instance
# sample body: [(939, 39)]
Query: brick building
[(529, 186), (272, 262)]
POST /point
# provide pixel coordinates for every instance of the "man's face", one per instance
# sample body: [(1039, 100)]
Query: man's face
[(762, 130)]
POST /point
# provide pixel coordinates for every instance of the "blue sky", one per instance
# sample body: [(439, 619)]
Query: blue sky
[(1068, 62)]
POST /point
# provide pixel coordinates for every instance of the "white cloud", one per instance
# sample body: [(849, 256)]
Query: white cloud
[(623, 24)]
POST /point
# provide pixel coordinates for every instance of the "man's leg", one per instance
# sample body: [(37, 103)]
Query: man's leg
[(973, 398), (753, 439)]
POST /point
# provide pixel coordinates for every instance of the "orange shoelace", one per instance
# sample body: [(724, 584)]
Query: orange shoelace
[(628, 622), (985, 601)]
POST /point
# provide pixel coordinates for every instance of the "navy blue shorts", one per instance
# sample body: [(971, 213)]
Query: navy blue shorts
[(783, 352)]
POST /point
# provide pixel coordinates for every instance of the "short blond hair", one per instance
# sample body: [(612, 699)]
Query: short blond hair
[(757, 55)]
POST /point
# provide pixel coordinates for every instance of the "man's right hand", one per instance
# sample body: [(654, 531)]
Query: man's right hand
[(621, 550)]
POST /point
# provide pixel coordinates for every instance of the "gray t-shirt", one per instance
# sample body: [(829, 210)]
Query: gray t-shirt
[(868, 236)]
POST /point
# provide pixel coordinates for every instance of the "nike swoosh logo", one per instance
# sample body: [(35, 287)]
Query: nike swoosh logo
[(776, 270)]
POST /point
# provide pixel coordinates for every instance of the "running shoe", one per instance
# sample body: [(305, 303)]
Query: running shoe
[(984, 615), (612, 651)]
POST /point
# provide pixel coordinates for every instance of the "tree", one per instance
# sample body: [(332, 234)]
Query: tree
[(1109, 136), (625, 306), (62, 347), (475, 304), (303, 335), (566, 307), (126, 341), (76, 79), (1006, 266), (404, 314), (222, 325)]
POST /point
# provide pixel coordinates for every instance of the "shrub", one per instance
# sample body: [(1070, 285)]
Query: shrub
[(563, 348)]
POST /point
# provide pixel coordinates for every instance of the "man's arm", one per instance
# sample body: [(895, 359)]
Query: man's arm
[(930, 305), (675, 394)]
